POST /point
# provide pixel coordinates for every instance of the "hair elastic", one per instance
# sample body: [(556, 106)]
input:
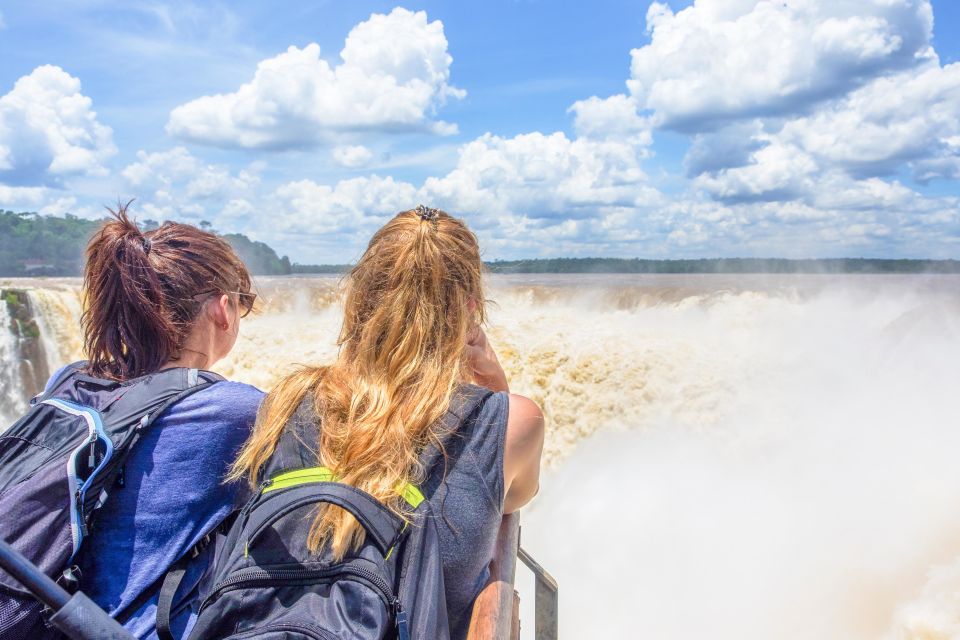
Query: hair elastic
[(426, 213), (147, 245)]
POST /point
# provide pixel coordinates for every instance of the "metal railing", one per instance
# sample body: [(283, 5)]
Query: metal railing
[(545, 599)]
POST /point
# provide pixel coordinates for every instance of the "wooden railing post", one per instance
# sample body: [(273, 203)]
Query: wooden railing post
[(496, 610)]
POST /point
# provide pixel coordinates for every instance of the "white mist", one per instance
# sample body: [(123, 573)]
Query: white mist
[(823, 502)]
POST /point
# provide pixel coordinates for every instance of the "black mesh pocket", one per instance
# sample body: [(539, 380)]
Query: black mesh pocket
[(21, 618)]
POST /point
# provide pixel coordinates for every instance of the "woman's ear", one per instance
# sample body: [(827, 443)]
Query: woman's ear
[(471, 304), (220, 312)]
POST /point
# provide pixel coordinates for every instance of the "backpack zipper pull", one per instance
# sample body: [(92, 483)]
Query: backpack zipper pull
[(81, 518), (253, 499), (400, 618)]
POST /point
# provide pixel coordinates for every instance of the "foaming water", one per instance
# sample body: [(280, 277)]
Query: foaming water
[(11, 400), (59, 307), (728, 456), (801, 481)]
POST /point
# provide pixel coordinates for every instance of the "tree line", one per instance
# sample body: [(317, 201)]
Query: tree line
[(724, 265), (36, 245)]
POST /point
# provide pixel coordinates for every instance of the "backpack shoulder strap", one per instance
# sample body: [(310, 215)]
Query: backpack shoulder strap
[(299, 442), (151, 395), (165, 587), (56, 382), (171, 581)]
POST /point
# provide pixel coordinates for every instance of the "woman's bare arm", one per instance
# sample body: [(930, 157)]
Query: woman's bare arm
[(524, 439), (522, 451)]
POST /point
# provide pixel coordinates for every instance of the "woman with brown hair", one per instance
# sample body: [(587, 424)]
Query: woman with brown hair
[(411, 343), (155, 300)]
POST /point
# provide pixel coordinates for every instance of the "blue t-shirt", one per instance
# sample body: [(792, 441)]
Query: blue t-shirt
[(173, 494)]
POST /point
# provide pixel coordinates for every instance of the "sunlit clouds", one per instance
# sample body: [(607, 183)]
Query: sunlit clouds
[(742, 127)]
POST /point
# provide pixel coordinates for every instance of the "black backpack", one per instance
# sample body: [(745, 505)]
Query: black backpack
[(266, 584), (59, 462)]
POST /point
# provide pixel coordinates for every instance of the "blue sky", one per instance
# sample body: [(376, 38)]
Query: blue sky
[(716, 128)]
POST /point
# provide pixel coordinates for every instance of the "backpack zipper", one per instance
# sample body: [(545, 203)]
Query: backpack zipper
[(255, 577), (298, 627), (247, 508)]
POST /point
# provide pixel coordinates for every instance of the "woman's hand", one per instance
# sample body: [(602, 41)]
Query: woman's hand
[(484, 365)]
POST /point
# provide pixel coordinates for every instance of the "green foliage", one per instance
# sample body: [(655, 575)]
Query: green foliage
[(36, 245), (258, 256), (51, 245), (22, 321)]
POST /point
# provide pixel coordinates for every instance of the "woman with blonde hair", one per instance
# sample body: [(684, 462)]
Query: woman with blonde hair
[(411, 346)]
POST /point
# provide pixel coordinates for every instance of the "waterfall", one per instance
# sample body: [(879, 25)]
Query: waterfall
[(24, 366)]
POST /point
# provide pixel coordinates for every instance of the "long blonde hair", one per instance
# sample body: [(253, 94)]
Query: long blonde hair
[(410, 302)]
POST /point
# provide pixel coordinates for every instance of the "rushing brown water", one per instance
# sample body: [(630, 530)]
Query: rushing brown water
[(728, 456)]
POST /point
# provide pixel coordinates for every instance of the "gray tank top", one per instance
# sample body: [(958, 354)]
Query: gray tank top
[(465, 489)]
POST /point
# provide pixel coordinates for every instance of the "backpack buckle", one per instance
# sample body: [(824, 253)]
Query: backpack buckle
[(70, 579), (202, 544)]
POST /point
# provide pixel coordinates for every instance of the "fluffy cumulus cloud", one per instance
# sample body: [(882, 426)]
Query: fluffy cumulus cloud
[(543, 177), (813, 126), (393, 75), (175, 184), (611, 117), (908, 119), (804, 118), (527, 193), (40, 199), (353, 206), (49, 131), (352, 156), (724, 60)]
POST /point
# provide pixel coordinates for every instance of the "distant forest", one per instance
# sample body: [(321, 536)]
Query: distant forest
[(724, 265), (37, 245)]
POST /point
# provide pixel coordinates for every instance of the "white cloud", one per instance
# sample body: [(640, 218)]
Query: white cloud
[(908, 117), (48, 130), (352, 156), (351, 207), (615, 116), (722, 60), (394, 74), (911, 118), (541, 176), (23, 198), (175, 184), (43, 200), (326, 224)]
